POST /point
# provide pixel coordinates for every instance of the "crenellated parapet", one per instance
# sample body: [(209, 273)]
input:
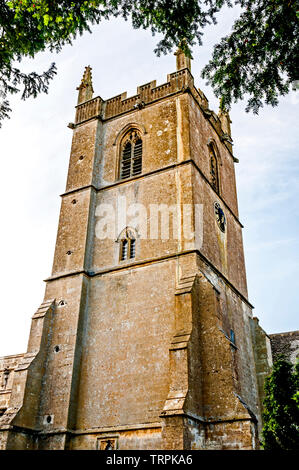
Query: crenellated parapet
[(88, 109), (178, 82)]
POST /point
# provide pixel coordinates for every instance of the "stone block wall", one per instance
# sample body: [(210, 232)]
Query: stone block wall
[(286, 344)]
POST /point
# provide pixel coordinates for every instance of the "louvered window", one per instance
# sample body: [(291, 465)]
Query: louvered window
[(137, 158), (131, 158), (126, 161), (127, 249), (124, 250), (132, 248)]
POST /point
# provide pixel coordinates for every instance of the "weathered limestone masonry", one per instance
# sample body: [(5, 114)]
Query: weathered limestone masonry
[(286, 344), (155, 349)]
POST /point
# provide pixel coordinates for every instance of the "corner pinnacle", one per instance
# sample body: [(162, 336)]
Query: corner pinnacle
[(182, 61), (85, 88)]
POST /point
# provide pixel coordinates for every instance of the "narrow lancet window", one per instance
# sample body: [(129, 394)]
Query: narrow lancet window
[(214, 175), (131, 156)]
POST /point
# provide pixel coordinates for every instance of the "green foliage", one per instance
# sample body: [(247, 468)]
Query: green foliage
[(258, 58), (281, 407)]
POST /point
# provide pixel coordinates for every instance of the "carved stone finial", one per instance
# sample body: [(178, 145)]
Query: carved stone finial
[(182, 61), (224, 118), (85, 88)]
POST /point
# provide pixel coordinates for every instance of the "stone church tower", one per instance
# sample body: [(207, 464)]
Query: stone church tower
[(145, 337)]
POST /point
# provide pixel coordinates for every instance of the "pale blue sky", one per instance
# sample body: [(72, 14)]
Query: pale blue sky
[(35, 147)]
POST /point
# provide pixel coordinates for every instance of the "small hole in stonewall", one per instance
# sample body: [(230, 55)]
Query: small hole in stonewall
[(81, 157), (56, 349), (69, 252), (74, 201), (49, 419)]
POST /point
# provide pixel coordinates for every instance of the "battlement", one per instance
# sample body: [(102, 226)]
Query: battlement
[(89, 109), (178, 81)]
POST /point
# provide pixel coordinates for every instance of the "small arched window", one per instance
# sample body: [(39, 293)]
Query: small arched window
[(214, 172), (131, 155), (127, 247)]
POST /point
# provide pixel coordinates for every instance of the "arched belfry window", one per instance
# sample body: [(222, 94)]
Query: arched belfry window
[(214, 171), (131, 155), (127, 241)]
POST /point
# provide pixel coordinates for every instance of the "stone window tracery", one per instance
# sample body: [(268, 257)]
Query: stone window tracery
[(131, 155)]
